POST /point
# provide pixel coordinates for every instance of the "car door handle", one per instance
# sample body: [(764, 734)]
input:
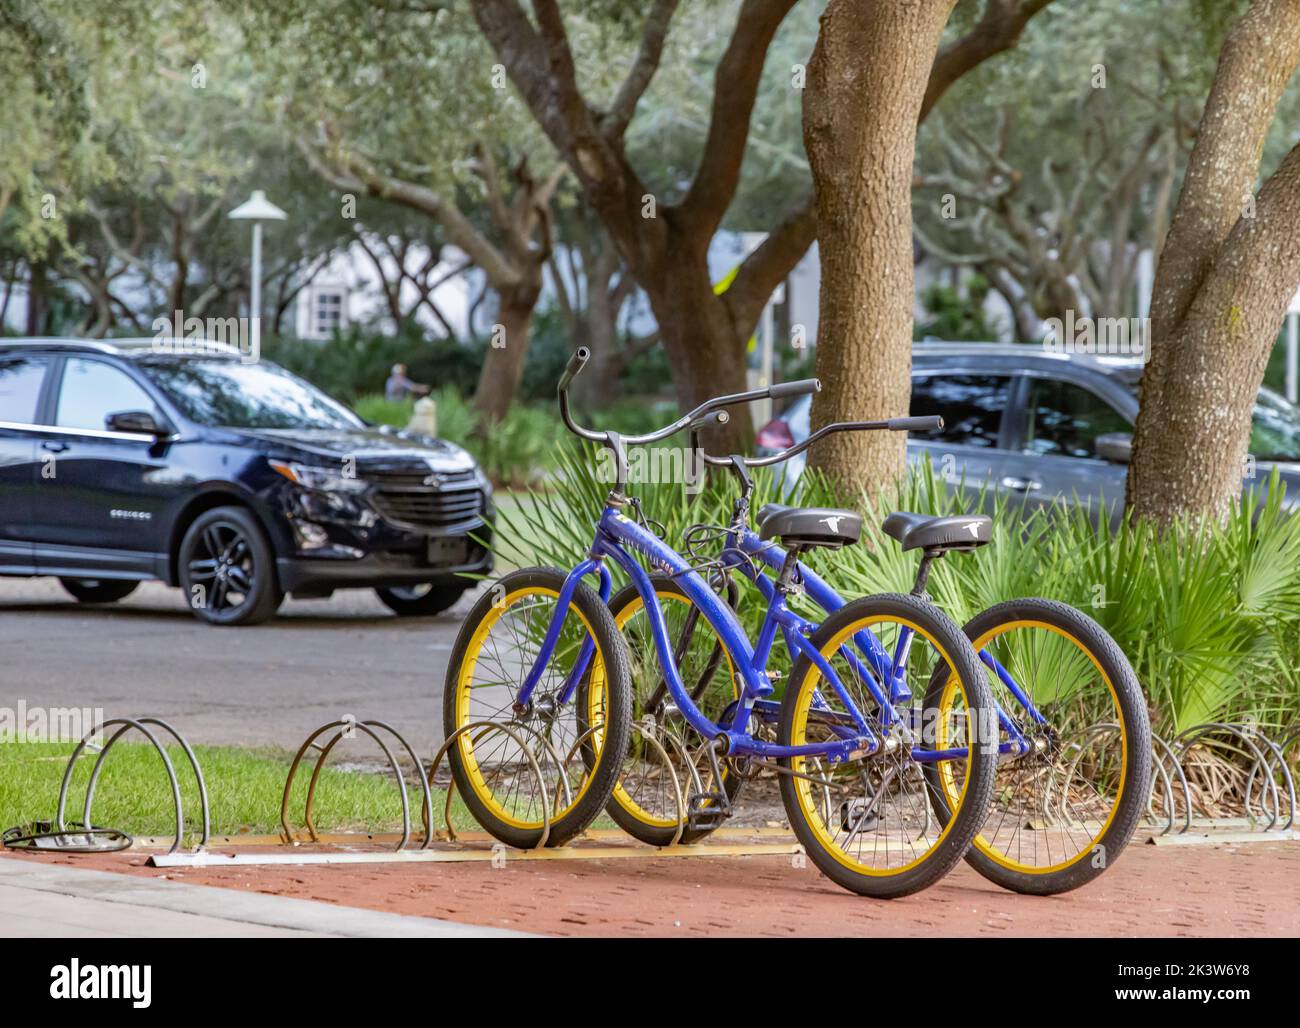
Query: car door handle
[(1021, 485), (54, 446)]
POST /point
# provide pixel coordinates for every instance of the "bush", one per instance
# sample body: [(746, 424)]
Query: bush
[(517, 452), (1209, 616), (380, 410), (356, 362)]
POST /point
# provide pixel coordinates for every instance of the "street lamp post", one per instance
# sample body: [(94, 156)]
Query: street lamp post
[(257, 209)]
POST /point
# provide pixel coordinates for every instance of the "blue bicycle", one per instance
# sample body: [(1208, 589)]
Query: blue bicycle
[(1074, 754), (539, 707)]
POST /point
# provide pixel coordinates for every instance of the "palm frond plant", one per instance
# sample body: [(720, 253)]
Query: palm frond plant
[(1209, 615)]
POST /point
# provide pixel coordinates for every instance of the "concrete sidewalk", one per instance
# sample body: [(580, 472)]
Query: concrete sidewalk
[(49, 901)]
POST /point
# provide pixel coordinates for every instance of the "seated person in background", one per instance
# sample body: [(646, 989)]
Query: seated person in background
[(398, 386)]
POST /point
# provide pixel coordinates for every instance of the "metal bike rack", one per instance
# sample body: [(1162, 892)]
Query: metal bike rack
[(342, 728), (517, 733), (1163, 758), (80, 836), (485, 728), (1260, 780), (648, 731)]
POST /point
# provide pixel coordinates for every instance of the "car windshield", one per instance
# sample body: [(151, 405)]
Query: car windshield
[(227, 393)]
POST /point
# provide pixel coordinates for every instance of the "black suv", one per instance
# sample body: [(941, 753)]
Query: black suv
[(233, 479)]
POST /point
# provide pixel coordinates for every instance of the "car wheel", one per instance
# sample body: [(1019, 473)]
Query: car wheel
[(98, 590), (423, 600), (227, 569)]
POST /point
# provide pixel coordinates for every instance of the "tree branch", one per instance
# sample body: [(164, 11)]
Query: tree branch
[(735, 89), (355, 174), (998, 30), (1258, 59), (541, 67), (769, 265), (615, 121)]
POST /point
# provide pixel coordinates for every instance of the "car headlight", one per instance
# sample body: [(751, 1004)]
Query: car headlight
[(309, 476)]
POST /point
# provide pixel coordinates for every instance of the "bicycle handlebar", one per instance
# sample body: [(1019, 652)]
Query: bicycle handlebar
[(695, 420), (709, 414), (801, 388), (930, 423), (576, 363)]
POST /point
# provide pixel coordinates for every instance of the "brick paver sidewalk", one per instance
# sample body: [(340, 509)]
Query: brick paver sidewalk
[(1152, 891)]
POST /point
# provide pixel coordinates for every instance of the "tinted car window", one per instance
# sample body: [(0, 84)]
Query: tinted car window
[(231, 394), (971, 407), (1275, 433), (20, 388), (1065, 419), (92, 390)]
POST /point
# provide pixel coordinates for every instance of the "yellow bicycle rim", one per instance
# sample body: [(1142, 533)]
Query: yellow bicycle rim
[(465, 686), (804, 789), (984, 845)]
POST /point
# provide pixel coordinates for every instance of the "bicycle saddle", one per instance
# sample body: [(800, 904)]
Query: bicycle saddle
[(809, 526), (927, 532)]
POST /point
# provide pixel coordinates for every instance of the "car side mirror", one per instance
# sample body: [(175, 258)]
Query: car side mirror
[(137, 422), (1116, 447)]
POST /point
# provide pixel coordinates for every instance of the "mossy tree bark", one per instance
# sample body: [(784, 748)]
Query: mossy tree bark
[(1230, 264)]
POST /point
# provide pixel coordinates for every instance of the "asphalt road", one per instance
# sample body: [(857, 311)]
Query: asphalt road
[(266, 685)]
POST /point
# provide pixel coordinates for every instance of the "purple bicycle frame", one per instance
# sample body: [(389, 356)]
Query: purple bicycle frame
[(616, 534)]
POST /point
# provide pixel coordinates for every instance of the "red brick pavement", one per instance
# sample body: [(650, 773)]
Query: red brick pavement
[(1152, 891)]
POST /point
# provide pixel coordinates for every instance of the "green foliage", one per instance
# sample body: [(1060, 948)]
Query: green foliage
[(516, 452), (378, 409), (957, 313), (1275, 372), (1209, 616), (357, 361), (456, 418)]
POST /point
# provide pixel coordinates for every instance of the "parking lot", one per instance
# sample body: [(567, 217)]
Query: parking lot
[(264, 685)]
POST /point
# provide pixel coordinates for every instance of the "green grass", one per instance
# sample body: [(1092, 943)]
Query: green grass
[(244, 790)]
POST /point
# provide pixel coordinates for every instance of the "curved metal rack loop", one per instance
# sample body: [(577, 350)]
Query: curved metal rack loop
[(1276, 756), (1093, 731), (1165, 755), (1186, 739), (518, 741), (141, 725), (426, 807), (640, 729), (643, 729), (563, 783), (344, 725), (205, 819)]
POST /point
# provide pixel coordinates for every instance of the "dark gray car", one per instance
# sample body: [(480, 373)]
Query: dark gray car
[(1035, 425)]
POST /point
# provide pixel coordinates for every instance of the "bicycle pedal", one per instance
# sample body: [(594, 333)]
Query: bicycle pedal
[(706, 810)]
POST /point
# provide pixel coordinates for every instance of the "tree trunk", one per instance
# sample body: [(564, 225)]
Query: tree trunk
[(597, 328), (860, 119), (706, 358), (503, 366), (1195, 432), (598, 383), (36, 280), (1222, 285)]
